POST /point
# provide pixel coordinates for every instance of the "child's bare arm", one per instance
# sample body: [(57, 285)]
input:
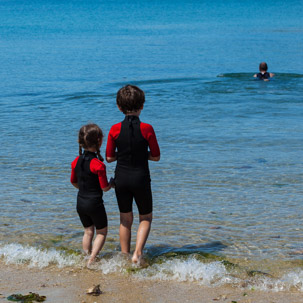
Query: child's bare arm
[(107, 188), (111, 159), (151, 158), (76, 185), (110, 185)]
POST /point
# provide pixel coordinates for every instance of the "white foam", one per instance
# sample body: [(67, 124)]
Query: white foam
[(117, 263), (189, 270), (289, 281), (184, 269), (35, 257), (294, 279)]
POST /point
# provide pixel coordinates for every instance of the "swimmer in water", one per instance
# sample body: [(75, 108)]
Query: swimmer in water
[(263, 74)]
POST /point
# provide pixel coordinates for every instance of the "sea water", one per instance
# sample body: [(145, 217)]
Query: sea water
[(228, 189)]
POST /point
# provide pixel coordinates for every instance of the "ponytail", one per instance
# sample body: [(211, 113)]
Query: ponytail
[(90, 136), (80, 149), (98, 153)]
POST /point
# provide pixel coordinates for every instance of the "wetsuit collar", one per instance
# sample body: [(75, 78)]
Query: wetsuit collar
[(89, 153), (131, 118)]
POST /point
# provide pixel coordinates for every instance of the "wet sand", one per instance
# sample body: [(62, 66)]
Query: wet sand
[(69, 286)]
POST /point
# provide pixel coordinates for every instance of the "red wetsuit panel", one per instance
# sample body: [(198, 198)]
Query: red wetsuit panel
[(112, 136), (147, 132), (73, 176), (96, 167)]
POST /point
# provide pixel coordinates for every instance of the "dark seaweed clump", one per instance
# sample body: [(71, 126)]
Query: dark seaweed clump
[(31, 297)]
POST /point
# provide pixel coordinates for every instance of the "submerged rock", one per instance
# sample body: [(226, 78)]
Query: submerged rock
[(94, 291), (26, 200), (253, 273)]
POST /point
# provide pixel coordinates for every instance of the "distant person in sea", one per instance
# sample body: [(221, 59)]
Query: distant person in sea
[(263, 74), (89, 176), (132, 143)]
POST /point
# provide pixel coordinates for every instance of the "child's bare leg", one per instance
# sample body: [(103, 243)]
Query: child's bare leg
[(87, 239), (98, 243), (126, 221), (142, 235)]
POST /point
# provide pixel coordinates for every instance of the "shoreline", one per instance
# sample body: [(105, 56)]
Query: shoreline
[(69, 285)]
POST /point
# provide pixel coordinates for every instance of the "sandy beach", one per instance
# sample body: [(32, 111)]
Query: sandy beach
[(69, 286)]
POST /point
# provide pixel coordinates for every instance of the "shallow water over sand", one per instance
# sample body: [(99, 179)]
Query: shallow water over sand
[(230, 177)]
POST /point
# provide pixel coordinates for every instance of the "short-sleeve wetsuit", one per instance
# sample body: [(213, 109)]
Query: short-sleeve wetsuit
[(263, 76), (132, 139), (90, 174)]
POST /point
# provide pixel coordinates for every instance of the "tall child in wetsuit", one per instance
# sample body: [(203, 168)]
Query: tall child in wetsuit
[(89, 176), (263, 74), (132, 143)]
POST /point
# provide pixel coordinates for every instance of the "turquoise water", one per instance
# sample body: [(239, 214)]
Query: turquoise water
[(229, 181)]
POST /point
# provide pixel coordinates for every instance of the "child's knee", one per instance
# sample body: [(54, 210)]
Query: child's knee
[(126, 219), (89, 231), (102, 231), (148, 217)]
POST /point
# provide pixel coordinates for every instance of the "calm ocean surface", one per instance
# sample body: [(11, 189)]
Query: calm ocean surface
[(230, 178)]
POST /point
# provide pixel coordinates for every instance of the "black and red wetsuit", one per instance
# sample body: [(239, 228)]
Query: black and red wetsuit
[(90, 174), (132, 139), (263, 76)]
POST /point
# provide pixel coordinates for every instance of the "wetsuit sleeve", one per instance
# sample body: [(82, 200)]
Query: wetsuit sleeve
[(97, 167), (112, 136), (149, 134), (73, 177)]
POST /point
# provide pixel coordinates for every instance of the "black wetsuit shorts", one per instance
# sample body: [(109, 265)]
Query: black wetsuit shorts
[(91, 211), (129, 187)]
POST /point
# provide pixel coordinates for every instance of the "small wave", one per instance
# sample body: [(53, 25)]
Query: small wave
[(249, 76), (290, 281), (158, 81), (190, 268), (83, 96), (26, 94), (36, 257), (294, 279), (210, 273), (237, 75)]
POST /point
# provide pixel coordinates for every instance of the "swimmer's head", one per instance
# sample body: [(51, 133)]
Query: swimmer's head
[(90, 136), (130, 98), (263, 67)]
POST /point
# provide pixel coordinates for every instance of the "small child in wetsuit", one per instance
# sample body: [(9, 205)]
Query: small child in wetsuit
[(132, 143), (89, 176), (263, 74)]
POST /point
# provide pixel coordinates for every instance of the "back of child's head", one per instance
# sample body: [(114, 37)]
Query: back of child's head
[(90, 136), (263, 67), (130, 98)]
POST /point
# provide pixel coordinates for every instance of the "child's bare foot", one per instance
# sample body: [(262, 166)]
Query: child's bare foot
[(138, 259), (86, 253), (90, 262)]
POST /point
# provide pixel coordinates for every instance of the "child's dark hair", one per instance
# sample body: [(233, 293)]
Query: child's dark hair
[(130, 98), (263, 66), (90, 136)]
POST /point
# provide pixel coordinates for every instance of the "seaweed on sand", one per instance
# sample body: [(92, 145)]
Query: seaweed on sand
[(31, 297)]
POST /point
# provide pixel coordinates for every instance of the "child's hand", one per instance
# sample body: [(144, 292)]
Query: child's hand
[(112, 183)]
